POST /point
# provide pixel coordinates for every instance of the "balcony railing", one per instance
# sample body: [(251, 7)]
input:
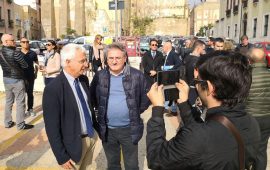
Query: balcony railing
[(235, 9), (228, 12), (245, 3), (2, 23), (10, 23)]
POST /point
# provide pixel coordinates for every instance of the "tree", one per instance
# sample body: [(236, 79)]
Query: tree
[(70, 31), (204, 29), (140, 25)]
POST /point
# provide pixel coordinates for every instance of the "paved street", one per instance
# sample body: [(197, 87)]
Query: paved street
[(30, 150)]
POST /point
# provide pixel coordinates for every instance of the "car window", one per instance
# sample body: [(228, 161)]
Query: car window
[(267, 47), (34, 45), (80, 41), (41, 45), (258, 45)]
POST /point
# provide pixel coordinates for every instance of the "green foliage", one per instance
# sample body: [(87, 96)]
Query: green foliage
[(140, 24), (70, 31), (203, 29), (62, 36)]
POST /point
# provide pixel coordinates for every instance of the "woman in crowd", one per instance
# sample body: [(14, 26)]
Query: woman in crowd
[(98, 56), (51, 67)]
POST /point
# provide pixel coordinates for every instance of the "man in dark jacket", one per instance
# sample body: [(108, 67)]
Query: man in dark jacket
[(244, 46), (12, 64), (258, 101), (121, 98), (152, 62), (223, 82)]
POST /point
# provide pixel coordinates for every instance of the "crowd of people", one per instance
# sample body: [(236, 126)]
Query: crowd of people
[(222, 103)]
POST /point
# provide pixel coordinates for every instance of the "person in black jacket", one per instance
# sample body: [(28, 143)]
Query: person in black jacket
[(152, 62), (223, 81), (12, 64), (120, 94), (244, 46)]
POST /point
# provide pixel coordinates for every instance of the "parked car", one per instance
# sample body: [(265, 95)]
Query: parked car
[(37, 46), (84, 40), (266, 47)]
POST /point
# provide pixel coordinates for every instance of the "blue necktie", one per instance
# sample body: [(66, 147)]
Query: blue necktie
[(88, 121)]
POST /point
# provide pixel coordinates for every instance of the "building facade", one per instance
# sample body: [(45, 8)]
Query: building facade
[(6, 17), (204, 14), (247, 17)]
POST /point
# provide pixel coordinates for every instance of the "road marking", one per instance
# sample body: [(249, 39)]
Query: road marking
[(11, 140)]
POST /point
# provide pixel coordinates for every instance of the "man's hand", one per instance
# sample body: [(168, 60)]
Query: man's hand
[(183, 91), (155, 95), (153, 73), (68, 165)]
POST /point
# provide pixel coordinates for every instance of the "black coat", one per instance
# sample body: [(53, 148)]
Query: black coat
[(197, 146), (148, 64), (62, 118), (173, 59), (135, 87)]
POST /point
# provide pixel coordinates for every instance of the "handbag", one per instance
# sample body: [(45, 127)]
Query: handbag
[(228, 124)]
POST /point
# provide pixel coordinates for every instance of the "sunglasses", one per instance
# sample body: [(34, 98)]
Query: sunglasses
[(154, 45), (48, 44), (197, 81), (25, 42)]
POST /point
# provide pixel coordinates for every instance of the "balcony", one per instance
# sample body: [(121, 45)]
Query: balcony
[(235, 9), (2, 23), (10, 23), (245, 3), (228, 12)]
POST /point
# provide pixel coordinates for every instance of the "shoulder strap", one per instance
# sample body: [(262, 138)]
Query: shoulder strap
[(5, 60), (228, 124)]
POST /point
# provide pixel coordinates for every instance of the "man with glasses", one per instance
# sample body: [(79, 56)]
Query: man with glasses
[(69, 118), (222, 80), (30, 73), (13, 63), (120, 93), (152, 61)]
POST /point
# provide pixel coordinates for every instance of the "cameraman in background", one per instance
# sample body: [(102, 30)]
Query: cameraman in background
[(222, 80)]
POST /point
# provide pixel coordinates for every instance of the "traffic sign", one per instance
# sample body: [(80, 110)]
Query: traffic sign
[(120, 5)]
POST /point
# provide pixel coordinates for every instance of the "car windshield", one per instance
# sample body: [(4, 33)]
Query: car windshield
[(267, 47), (258, 45)]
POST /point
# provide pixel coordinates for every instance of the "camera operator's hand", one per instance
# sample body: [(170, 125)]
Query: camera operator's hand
[(183, 88), (155, 95)]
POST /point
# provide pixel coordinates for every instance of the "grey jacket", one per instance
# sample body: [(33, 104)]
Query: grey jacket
[(15, 60)]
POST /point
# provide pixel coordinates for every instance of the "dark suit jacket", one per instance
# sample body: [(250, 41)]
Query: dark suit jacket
[(62, 118), (173, 59), (148, 64)]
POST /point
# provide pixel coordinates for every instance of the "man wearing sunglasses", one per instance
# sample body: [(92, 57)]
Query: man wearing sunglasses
[(223, 81), (30, 73), (152, 61), (12, 64)]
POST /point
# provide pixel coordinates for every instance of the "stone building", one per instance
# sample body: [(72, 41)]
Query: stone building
[(204, 14), (6, 17), (247, 17)]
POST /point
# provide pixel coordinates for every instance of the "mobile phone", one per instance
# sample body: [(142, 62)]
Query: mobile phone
[(168, 79)]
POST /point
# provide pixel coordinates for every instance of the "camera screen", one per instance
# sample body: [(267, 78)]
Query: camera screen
[(169, 77)]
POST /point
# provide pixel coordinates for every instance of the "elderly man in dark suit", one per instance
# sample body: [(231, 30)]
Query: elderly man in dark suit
[(68, 115), (152, 61)]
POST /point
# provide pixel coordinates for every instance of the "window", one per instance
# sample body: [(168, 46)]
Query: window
[(254, 27), (228, 31), (235, 30), (265, 29), (267, 47), (9, 14), (0, 13)]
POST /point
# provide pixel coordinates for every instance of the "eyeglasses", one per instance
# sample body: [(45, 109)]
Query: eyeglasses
[(115, 58), (154, 45), (197, 81), (25, 42), (48, 44)]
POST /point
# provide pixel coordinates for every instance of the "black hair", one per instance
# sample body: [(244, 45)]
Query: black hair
[(244, 37), (198, 43), (53, 43), (230, 74), (153, 40), (219, 40)]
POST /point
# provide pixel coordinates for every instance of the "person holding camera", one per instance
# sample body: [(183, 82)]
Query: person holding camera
[(223, 81)]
